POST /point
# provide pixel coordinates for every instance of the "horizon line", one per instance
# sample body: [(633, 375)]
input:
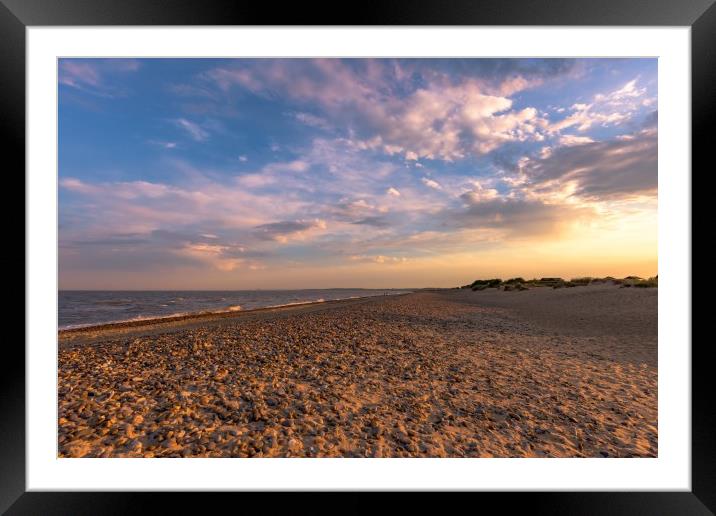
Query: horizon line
[(319, 288)]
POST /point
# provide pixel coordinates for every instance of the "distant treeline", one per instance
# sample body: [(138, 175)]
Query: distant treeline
[(523, 284)]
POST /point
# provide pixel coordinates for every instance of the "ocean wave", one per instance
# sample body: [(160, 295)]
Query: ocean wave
[(233, 308), (121, 321), (97, 312)]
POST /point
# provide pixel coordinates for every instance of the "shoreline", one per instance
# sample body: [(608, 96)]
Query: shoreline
[(95, 332)]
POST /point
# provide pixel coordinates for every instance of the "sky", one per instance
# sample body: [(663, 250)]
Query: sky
[(373, 173)]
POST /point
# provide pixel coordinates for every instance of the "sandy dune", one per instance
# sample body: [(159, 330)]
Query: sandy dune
[(539, 373)]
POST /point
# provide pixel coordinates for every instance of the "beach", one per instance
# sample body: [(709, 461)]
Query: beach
[(544, 372)]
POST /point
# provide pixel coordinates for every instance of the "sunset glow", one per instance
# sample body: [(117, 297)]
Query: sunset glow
[(376, 173)]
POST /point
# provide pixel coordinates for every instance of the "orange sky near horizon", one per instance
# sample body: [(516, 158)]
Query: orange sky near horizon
[(582, 250)]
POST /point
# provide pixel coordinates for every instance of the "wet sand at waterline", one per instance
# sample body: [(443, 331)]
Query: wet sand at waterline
[(570, 372)]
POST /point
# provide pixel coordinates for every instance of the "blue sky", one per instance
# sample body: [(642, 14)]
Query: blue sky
[(266, 173)]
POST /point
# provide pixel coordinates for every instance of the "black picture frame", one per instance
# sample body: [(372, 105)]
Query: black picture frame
[(17, 15)]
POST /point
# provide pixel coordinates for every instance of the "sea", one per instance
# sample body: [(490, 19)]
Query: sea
[(79, 308)]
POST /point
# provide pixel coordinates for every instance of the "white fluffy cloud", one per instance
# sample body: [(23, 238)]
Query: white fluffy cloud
[(438, 120)]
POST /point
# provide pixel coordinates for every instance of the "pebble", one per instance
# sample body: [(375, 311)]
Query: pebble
[(415, 375)]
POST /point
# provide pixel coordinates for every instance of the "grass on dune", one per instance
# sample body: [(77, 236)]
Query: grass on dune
[(519, 283)]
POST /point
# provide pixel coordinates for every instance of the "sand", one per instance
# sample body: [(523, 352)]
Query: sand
[(537, 373)]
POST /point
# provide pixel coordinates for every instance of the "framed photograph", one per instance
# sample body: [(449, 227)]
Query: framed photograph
[(425, 249)]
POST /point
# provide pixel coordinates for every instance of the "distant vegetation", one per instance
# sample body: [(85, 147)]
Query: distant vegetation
[(483, 284), (522, 284), (637, 282)]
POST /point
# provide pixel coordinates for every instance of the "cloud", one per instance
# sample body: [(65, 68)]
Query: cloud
[(243, 159), (623, 95), (158, 249), (380, 259), (194, 130), (113, 240), (516, 217), (163, 144), (584, 116), (288, 166), (450, 123), (375, 221), (616, 168), (313, 121), (386, 109), (214, 255), (205, 201), (431, 183), (360, 204), (570, 140), (612, 108), (500, 76), (236, 208), (123, 190), (256, 180), (276, 175), (200, 206), (285, 230), (480, 193), (76, 185), (95, 76), (392, 192), (78, 74)]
